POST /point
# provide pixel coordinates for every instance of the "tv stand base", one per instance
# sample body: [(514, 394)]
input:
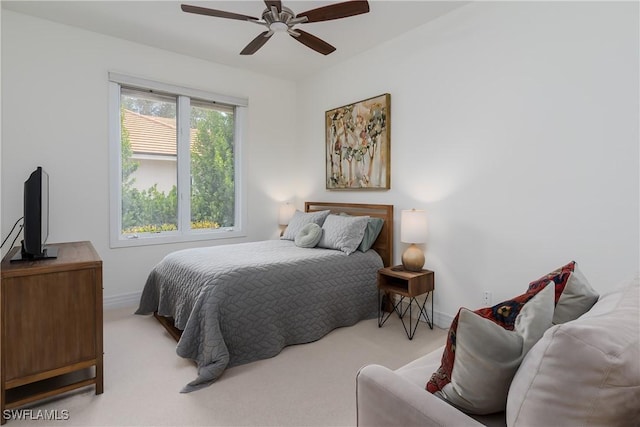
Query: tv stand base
[(49, 252)]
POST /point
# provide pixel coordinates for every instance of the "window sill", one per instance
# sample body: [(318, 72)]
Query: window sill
[(169, 238)]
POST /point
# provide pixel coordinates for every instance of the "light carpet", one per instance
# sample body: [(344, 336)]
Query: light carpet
[(305, 385)]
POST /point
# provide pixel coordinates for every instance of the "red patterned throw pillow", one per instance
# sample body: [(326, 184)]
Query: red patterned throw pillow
[(559, 277), (485, 347)]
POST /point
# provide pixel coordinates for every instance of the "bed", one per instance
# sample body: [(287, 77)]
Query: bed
[(233, 304)]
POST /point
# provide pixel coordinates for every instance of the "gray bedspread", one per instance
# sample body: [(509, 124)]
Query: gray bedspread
[(244, 302)]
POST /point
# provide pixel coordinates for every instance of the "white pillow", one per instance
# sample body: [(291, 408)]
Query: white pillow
[(482, 354), (300, 219), (574, 294), (343, 233), (309, 236), (584, 372), (577, 298)]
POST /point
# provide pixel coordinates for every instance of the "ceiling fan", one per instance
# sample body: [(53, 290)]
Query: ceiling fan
[(277, 18)]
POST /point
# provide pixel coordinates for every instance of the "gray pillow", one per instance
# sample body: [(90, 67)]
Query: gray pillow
[(300, 219), (343, 233), (374, 227), (309, 236)]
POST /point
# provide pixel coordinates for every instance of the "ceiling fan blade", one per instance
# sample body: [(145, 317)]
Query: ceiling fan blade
[(336, 11), (276, 3), (217, 13), (256, 43), (313, 42)]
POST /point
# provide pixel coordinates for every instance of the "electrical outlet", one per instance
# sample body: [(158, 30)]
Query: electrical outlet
[(486, 298)]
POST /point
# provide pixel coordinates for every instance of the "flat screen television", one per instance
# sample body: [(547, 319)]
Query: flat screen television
[(36, 219)]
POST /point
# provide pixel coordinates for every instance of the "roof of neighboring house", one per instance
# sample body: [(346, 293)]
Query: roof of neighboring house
[(152, 135)]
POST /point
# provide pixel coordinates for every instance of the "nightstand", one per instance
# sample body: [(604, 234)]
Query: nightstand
[(406, 284)]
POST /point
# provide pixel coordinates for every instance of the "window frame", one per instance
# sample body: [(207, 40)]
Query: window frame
[(183, 96)]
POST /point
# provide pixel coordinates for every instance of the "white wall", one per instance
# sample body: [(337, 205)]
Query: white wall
[(54, 96), (515, 125)]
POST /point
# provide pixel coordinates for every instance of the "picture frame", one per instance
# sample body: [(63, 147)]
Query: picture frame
[(358, 145)]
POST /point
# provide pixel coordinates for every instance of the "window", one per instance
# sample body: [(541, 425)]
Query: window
[(175, 163)]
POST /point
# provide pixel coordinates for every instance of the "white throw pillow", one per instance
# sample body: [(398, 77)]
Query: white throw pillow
[(584, 372), (483, 354), (574, 294), (309, 236)]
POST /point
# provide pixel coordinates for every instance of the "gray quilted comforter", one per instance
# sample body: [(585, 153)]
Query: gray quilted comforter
[(244, 302)]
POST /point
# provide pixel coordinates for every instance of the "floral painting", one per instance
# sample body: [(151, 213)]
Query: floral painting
[(357, 145)]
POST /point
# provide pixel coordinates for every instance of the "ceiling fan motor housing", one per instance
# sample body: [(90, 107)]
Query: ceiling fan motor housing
[(280, 21)]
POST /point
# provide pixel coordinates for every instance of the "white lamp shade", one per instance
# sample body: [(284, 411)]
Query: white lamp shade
[(286, 213), (413, 226)]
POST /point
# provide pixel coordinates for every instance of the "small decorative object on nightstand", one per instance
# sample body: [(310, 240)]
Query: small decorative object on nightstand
[(407, 284)]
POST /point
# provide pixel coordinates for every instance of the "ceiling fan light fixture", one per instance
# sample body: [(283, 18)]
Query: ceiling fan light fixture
[(279, 27)]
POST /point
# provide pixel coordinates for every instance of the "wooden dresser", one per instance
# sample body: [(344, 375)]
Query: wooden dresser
[(51, 314)]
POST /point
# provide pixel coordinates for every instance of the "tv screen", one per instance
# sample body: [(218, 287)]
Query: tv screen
[(36, 219)]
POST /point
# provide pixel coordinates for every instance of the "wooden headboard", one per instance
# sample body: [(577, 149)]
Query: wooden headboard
[(384, 243)]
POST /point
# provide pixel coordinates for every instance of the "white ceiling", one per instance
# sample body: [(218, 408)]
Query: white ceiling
[(162, 24)]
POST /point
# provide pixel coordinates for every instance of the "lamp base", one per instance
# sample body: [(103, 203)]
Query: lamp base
[(413, 258)]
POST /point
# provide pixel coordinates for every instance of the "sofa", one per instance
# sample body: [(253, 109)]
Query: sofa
[(582, 372)]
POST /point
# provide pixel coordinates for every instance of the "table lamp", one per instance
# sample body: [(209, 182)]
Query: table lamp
[(286, 213), (413, 229)]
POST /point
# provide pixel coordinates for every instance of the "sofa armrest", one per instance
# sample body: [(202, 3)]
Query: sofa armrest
[(384, 398)]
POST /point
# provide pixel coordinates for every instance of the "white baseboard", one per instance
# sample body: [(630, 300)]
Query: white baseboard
[(122, 300), (440, 320)]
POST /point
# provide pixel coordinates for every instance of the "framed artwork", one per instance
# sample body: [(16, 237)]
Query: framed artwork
[(358, 138)]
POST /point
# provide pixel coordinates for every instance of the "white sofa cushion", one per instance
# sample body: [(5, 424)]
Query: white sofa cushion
[(384, 398), (584, 372), (419, 371)]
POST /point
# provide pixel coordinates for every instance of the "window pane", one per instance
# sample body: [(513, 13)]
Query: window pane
[(149, 171), (212, 166)]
